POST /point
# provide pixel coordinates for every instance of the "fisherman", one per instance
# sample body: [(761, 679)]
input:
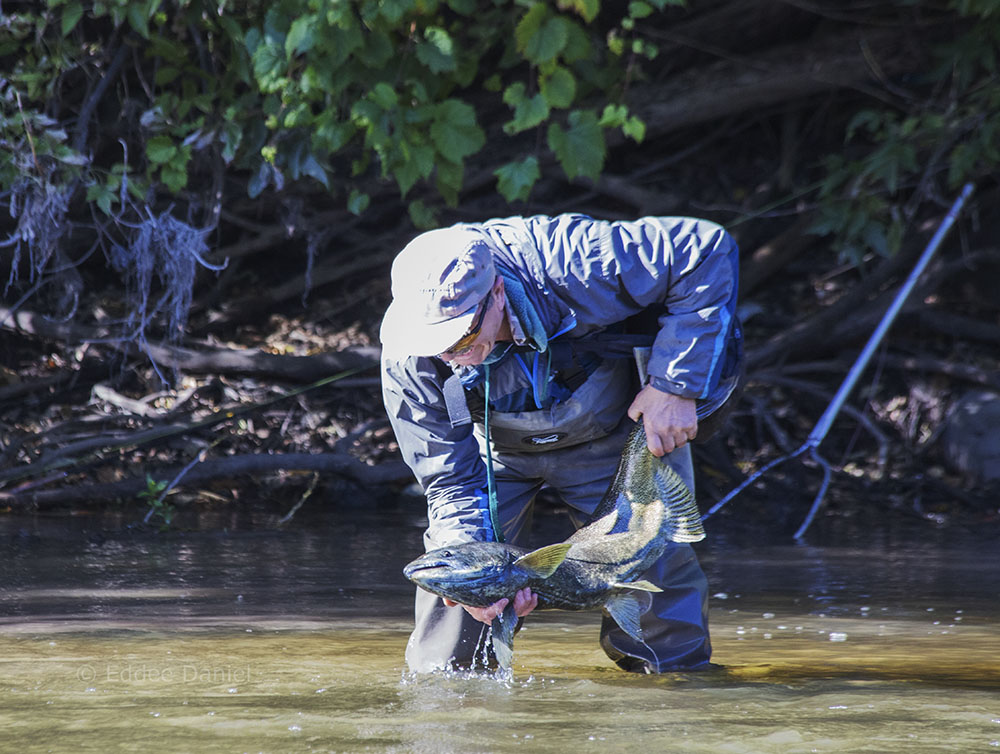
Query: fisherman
[(507, 368)]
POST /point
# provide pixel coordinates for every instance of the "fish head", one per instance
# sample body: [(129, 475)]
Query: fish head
[(472, 573)]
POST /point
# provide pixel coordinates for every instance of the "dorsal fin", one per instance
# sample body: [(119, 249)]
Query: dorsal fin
[(545, 560)]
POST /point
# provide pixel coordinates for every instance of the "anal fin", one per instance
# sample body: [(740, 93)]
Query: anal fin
[(642, 584), (626, 609)]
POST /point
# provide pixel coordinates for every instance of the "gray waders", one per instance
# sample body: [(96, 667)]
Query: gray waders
[(675, 628)]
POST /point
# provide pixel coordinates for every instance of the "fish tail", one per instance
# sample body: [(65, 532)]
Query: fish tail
[(682, 516)]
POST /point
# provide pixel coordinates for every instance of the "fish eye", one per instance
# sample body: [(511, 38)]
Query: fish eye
[(445, 553)]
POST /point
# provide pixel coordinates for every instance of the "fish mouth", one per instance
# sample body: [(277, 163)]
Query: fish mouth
[(423, 568)]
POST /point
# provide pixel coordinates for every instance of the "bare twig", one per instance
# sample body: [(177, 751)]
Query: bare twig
[(305, 496)]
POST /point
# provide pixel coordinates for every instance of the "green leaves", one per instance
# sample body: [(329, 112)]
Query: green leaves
[(170, 160), (437, 51), (616, 116), (515, 179), (528, 111), (588, 9), (541, 35), (455, 131), (71, 15), (301, 37), (336, 91), (558, 88), (580, 148)]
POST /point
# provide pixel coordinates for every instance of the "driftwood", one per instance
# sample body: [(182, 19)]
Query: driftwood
[(206, 359), (792, 72), (337, 464), (769, 258)]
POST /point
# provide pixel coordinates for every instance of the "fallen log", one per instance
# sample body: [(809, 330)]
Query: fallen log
[(335, 464), (203, 360)]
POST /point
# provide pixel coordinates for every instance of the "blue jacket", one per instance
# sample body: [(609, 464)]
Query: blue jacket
[(580, 276)]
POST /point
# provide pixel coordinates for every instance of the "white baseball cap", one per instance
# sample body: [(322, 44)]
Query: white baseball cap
[(438, 281)]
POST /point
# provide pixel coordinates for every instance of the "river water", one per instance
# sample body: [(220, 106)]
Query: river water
[(240, 636)]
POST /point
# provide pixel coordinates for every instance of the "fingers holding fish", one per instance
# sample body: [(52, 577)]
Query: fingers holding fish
[(524, 602), (481, 614), (670, 420)]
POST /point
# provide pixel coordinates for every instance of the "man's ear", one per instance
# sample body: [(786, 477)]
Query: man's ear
[(498, 292)]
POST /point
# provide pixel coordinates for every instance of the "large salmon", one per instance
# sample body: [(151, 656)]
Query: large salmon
[(646, 506)]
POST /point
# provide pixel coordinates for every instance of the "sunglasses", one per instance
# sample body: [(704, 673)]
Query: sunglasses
[(468, 341)]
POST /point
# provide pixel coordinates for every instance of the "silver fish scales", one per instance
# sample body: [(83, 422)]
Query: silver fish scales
[(647, 506)]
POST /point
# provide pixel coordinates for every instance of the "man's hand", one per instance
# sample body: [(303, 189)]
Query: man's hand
[(524, 602), (670, 420)]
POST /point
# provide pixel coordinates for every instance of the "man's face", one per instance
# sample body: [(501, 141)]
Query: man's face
[(471, 353)]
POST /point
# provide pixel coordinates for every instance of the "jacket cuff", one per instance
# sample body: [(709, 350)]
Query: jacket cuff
[(666, 386)]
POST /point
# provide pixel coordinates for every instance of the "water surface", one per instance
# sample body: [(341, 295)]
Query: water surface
[(244, 637)]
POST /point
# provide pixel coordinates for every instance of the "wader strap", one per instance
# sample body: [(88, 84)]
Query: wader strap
[(454, 400), (490, 486)]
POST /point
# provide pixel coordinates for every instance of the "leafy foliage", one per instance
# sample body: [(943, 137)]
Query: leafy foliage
[(121, 110), (349, 97), (337, 92), (868, 202)]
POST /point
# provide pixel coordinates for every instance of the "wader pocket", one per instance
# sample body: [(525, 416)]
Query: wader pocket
[(592, 412)]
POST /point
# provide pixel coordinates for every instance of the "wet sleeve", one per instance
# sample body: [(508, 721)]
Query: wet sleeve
[(444, 459), (699, 303), (684, 267)]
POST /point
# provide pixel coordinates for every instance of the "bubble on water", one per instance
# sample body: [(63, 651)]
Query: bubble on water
[(838, 706), (232, 691), (767, 636), (721, 596), (295, 728), (767, 616), (865, 609), (838, 636), (320, 691)]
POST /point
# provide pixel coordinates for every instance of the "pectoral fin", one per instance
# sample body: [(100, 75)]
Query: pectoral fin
[(545, 560), (626, 608), (503, 636)]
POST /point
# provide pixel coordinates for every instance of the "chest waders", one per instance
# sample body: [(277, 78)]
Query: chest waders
[(594, 408), (592, 412)]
